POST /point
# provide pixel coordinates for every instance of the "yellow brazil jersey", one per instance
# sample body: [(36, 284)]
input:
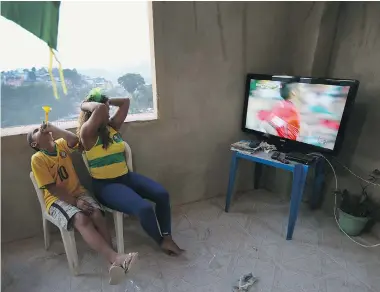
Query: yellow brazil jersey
[(110, 162), (56, 168)]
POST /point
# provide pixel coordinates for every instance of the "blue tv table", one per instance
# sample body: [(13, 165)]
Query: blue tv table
[(299, 177)]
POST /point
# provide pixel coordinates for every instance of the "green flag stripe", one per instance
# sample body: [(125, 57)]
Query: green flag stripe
[(41, 18), (106, 160)]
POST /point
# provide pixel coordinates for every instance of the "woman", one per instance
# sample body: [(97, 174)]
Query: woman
[(115, 186)]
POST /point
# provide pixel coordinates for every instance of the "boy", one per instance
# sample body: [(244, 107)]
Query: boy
[(66, 199)]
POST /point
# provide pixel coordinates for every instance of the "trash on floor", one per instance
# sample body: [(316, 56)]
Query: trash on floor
[(245, 283)]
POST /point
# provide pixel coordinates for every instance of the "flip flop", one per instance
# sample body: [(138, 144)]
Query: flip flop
[(130, 262), (117, 274)]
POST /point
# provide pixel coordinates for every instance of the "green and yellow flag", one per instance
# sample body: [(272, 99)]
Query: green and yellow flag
[(40, 18)]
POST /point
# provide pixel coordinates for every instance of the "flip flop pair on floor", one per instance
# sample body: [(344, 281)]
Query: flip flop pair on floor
[(117, 272)]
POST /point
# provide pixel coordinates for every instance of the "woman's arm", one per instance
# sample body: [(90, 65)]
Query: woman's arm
[(99, 117), (118, 119)]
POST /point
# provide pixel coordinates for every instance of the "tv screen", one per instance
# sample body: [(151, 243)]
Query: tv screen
[(310, 111)]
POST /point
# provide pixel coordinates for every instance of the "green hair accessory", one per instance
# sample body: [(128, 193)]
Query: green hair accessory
[(95, 95)]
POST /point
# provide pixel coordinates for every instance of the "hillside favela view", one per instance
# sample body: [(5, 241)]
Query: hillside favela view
[(120, 66), (25, 91)]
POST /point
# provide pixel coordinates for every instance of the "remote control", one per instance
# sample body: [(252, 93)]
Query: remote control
[(275, 155), (279, 157)]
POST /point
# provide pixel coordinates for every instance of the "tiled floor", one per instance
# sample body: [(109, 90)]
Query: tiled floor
[(220, 247)]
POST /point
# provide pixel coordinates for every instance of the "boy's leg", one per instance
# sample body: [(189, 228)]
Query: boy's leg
[(98, 218), (96, 241), (68, 216), (92, 237), (101, 225)]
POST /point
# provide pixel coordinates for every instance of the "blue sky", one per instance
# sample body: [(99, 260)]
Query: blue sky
[(107, 35)]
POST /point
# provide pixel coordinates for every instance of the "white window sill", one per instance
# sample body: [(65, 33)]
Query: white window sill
[(19, 130)]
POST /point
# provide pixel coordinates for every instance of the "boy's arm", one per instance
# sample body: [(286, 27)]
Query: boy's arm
[(61, 194), (71, 139)]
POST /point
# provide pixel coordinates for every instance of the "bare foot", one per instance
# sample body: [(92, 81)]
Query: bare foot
[(170, 247)]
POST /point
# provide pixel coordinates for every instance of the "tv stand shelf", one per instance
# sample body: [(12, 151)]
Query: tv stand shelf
[(299, 177)]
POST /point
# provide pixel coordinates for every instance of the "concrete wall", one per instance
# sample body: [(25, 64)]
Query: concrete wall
[(341, 40), (203, 50), (356, 55), (309, 39)]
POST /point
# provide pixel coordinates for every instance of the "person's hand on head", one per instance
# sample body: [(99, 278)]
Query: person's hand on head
[(85, 206)]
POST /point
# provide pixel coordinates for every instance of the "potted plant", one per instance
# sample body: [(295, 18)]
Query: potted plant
[(356, 211)]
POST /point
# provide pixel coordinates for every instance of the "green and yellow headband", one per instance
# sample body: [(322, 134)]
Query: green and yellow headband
[(95, 95)]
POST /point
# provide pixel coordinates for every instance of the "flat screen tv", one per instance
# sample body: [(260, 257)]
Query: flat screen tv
[(302, 114)]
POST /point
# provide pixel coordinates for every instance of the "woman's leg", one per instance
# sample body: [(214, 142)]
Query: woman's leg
[(154, 192), (95, 240), (123, 199)]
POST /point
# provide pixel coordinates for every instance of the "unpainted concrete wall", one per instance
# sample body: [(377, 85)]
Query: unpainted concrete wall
[(356, 55), (341, 40)]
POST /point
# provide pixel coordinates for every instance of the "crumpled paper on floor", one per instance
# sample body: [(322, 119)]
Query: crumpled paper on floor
[(245, 283)]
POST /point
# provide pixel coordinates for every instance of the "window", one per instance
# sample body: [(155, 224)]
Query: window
[(100, 44)]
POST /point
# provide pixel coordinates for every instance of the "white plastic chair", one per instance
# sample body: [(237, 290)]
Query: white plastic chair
[(68, 237), (117, 216)]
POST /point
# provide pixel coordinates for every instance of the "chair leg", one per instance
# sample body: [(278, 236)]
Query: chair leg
[(118, 221), (45, 225), (67, 243), (74, 252)]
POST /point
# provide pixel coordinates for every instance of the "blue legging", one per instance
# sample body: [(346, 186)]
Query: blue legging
[(127, 193)]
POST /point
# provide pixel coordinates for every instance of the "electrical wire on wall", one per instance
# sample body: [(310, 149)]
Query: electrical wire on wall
[(336, 190)]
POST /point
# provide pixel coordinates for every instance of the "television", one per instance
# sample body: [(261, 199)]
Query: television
[(298, 114)]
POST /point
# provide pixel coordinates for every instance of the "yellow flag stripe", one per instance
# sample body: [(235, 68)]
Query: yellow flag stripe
[(54, 84), (62, 78)]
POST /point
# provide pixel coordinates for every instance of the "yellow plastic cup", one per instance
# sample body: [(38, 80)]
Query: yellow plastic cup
[(46, 109)]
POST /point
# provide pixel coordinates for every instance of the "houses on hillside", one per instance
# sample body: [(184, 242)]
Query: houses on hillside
[(20, 77), (98, 82)]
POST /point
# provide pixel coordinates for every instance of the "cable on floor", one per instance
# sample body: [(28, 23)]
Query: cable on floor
[(336, 190)]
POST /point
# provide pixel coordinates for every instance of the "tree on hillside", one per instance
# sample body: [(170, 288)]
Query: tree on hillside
[(72, 75), (32, 74), (142, 98), (42, 71), (131, 81), (22, 105)]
